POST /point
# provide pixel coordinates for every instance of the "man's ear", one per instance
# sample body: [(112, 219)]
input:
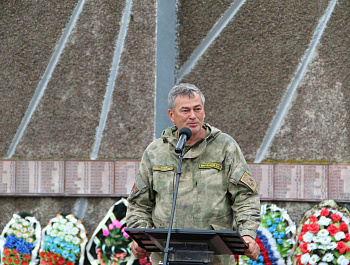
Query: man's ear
[(171, 115)]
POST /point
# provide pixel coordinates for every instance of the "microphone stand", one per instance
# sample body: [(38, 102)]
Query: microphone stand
[(166, 250)]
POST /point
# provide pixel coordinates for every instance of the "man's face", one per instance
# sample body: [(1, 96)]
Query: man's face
[(188, 112)]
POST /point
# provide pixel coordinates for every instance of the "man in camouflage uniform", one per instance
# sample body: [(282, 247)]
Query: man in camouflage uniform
[(215, 187)]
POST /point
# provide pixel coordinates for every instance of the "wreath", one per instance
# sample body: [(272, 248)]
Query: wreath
[(63, 241), (20, 240), (323, 236)]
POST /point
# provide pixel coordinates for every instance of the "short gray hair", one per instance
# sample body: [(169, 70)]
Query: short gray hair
[(183, 89)]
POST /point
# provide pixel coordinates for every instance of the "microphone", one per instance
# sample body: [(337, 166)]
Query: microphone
[(184, 135)]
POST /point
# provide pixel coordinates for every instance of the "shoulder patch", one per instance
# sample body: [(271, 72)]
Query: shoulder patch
[(163, 168), (210, 165), (247, 180)]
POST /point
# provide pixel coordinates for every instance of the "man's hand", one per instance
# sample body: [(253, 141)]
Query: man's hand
[(138, 251), (253, 249)]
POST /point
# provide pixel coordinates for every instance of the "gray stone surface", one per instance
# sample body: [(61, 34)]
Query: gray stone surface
[(317, 125), (29, 31), (130, 123), (246, 71), (65, 122)]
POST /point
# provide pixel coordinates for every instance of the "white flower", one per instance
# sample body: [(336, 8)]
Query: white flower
[(68, 238), (19, 234), (325, 240), (322, 263), (19, 226), (25, 235), (305, 258), (53, 233), (62, 227), (311, 246), (76, 240), (26, 223), (324, 221), (29, 240), (22, 220), (55, 225), (328, 257), (61, 234), (342, 260), (339, 236), (313, 259), (23, 230), (332, 245), (323, 232), (74, 231), (31, 229), (69, 225), (63, 221), (324, 247), (10, 231), (308, 237)]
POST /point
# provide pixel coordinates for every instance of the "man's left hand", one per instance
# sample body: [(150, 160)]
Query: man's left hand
[(253, 249)]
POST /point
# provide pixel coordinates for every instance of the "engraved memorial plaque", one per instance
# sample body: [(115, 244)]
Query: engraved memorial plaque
[(339, 182), (89, 178), (40, 177), (125, 172), (7, 177), (263, 175), (301, 182)]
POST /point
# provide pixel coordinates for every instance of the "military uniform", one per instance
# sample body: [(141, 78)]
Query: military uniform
[(215, 187)]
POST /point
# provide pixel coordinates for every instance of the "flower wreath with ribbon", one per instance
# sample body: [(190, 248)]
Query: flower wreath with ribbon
[(275, 237), (110, 244), (63, 241), (20, 240), (323, 236)]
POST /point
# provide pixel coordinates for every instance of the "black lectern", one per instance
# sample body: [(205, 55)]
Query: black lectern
[(189, 246)]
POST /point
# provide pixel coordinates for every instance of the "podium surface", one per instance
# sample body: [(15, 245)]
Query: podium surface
[(218, 241)]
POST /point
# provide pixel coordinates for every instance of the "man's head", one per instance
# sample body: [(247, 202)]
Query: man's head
[(186, 109), (183, 89)]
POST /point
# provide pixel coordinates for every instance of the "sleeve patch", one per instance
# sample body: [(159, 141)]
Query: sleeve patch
[(247, 180)]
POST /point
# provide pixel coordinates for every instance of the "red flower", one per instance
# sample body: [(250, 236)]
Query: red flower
[(332, 229), (17, 261), (3, 259), (9, 260), (48, 255), (342, 247), (43, 262), (61, 260), (69, 263), (306, 227), (24, 263), (343, 227), (299, 259), (50, 262), (347, 237), (313, 219), (56, 257), (15, 251), (314, 228), (42, 254), (303, 247), (26, 256), (16, 256), (301, 236), (324, 212), (335, 217), (7, 253)]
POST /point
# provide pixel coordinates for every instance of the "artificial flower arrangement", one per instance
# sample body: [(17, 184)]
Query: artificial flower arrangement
[(275, 237), (20, 240), (110, 244), (63, 241), (323, 236)]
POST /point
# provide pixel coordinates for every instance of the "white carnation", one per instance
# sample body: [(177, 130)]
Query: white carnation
[(308, 237), (328, 257), (324, 221), (314, 259), (323, 233), (305, 258), (342, 260), (339, 236)]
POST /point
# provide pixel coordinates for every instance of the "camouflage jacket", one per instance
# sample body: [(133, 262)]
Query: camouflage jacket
[(215, 187)]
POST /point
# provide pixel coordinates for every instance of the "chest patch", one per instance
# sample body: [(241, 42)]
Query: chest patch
[(249, 181), (163, 168), (210, 165)]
